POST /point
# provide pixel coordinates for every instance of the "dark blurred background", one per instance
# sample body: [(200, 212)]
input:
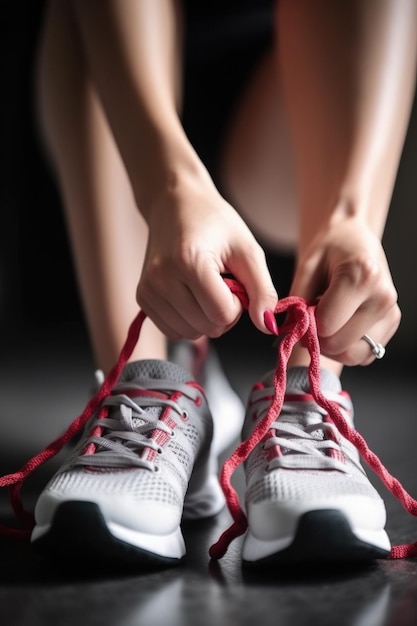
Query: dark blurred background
[(36, 279), (37, 285)]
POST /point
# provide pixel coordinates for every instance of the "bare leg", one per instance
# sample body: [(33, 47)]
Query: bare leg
[(108, 234), (258, 162)]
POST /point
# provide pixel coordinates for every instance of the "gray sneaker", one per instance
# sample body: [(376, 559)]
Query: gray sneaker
[(307, 495), (143, 465)]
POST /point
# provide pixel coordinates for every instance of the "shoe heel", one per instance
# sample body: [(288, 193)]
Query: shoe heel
[(204, 497)]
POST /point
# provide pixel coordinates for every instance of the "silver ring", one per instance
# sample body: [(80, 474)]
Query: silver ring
[(378, 349)]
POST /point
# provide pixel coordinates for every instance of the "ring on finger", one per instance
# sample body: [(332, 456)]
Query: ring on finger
[(378, 349)]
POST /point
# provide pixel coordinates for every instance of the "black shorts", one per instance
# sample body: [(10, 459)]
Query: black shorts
[(224, 43)]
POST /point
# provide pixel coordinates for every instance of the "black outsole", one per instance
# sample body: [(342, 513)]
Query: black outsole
[(322, 536), (79, 530)]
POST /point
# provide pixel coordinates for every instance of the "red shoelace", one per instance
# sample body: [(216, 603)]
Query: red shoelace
[(299, 326)]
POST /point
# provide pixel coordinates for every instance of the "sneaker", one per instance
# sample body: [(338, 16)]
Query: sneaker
[(307, 495), (143, 465), (226, 406)]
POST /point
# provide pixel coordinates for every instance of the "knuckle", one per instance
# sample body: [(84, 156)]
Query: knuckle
[(220, 320), (351, 361), (362, 272), (388, 297), (366, 270), (330, 347), (155, 275), (397, 316), (216, 333)]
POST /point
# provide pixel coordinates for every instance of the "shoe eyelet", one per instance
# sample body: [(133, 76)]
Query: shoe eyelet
[(156, 469), (184, 416), (160, 450), (267, 469)]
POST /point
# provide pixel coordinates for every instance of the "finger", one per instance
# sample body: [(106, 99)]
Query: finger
[(306, 284), (221, 307), (344, 313), (366, 288), (177, 311), (251, 270), (359, 351), (339, 305), (169, 323), (164, 311)]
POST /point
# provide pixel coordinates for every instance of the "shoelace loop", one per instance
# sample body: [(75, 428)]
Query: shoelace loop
[(118, 443), (317, 442), (299, 326)]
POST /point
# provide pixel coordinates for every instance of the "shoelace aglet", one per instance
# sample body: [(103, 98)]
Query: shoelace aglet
[(219, 549)]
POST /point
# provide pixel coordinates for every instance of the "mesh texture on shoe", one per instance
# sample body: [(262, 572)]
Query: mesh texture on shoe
[(304, 465), (138, 453), (226, 407), (314, 460)]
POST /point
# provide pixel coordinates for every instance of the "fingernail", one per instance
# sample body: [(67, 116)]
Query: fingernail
[(270, 322)]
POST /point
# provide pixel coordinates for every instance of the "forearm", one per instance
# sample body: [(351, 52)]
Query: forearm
[(348, 70), (133, 49)]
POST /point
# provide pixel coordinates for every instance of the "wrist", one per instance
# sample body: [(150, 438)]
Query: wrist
[(166, 167), (350, 208)]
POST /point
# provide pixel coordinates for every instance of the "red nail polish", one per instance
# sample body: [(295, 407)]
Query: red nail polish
[(270, 322)]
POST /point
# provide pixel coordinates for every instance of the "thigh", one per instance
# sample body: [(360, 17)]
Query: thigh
[(257, 167)]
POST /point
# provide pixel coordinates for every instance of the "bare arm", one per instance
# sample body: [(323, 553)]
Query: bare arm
[(133, 49), (349, 72)]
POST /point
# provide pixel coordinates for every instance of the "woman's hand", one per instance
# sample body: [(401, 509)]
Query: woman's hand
[(346, 272), (195, 238)]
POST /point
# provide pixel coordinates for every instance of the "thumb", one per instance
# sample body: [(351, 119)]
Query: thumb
[(255, 289)]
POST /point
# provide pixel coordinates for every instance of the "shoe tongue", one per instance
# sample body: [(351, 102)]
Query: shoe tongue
[(155, 368), (298, 381), (141, 371)]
